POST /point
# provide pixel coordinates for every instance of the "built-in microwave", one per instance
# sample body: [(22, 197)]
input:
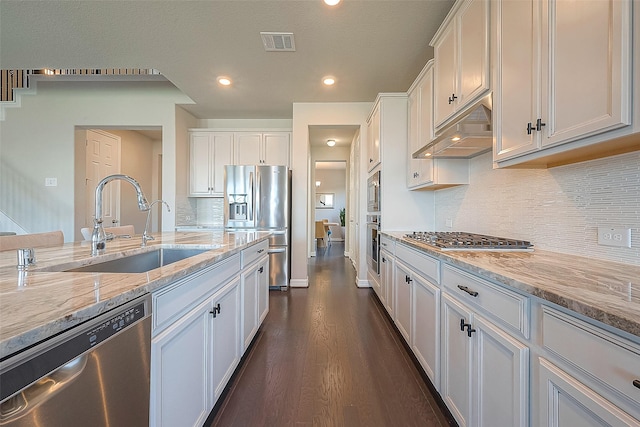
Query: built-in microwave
[(373, 193)]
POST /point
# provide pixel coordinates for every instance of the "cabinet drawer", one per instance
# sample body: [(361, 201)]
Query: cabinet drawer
[(426, 265), (612, 362), (254, 252), (171, 302), (505, 306), (388, 244)]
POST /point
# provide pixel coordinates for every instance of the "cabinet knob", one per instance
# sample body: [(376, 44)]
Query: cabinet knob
[(539, 125), (452, 98), (636, 383), (529, 128)]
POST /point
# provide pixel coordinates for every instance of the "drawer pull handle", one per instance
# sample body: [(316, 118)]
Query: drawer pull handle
[(260, 251), (636, 383), (467, 290)]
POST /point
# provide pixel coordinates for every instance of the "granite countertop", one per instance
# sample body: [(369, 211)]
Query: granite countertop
[(605, 291), (37, 304)]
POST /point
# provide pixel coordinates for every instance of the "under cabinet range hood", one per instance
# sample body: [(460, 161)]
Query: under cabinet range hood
[(468, 136)]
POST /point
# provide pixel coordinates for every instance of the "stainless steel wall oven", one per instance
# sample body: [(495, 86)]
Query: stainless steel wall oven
[(373, 193), (373, 244)]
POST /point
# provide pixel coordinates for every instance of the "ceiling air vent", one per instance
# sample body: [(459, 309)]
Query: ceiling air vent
[(278, 42)]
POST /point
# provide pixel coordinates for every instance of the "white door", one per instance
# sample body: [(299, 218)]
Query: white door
[(102, 159), (263, 290), (425, 340), (226, 335), (402, 315), (250, 282)]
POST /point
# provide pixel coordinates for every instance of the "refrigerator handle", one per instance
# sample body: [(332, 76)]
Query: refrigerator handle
[(252, 197), (258, 198)]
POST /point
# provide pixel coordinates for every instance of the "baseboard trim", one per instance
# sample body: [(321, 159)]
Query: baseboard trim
[(362, 283), (299, 283)]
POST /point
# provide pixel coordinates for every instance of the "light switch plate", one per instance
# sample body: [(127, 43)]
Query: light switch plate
[(619, 237)]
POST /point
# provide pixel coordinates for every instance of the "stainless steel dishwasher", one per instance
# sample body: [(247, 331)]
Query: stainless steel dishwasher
[(95, 374)]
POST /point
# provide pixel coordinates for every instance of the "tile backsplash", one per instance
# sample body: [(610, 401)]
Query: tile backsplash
[(558, 209), (201, 211)]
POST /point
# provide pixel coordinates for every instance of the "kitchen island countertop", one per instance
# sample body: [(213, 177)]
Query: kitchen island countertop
[(602, 290), (38, 304)]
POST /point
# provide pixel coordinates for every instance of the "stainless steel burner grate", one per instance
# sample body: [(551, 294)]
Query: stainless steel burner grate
[(463, 241)]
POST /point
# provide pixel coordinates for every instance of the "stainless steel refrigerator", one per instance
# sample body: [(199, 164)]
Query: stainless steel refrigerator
[(258, 198)]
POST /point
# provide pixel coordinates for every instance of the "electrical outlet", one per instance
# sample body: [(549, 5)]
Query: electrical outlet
[(51, 182), (449, 223), (619, 237), (188, 217)]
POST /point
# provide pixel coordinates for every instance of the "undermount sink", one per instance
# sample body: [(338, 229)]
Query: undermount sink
[(140, 263)]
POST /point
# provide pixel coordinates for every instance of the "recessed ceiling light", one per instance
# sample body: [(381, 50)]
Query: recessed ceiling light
[(224, 81), (328, 80), (427, 154), (455, 138), (331, 142), (331, 2)]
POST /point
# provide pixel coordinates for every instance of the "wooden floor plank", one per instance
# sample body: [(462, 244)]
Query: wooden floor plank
[(328, 356)]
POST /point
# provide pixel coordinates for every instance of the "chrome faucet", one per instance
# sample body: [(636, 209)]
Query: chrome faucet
[(146, 236), (99, 237)]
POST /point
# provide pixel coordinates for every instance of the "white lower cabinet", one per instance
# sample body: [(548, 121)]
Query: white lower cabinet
[(181, 368), (403, 291), (485, 371), (255, 297), (566, 402), (225, 312), (193, 359), (202, 324), (586, 376), (425, 334)]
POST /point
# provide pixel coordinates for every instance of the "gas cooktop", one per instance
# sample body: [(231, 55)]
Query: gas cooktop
[(461, 241)]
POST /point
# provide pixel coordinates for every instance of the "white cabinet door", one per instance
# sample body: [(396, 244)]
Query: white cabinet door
[(199, 167), (248, 148), (226, 334), (387, 282), (209, 153), (425, 341), (263, 290), (538, 101), (461, 52), (276, 148), (420, 171), (444, 71), (222, 149), (249, 283), (404, 284), (593, 37), (373, 135), (455, 377), (566, 402), (501, 377), (180, 360)]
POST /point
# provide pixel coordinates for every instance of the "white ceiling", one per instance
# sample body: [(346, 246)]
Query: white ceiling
[(370, 46)]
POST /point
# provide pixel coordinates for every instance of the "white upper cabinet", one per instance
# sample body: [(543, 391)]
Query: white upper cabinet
[(262, 148), (209, 153), (461, 52), (563, 73), (428, 173), (373, 139)]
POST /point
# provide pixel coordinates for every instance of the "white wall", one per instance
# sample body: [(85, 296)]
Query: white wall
[(305, 115), (332, 181), (557, 209), (37, 141)]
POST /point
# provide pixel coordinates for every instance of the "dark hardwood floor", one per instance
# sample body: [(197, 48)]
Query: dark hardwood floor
[(328, 356)]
